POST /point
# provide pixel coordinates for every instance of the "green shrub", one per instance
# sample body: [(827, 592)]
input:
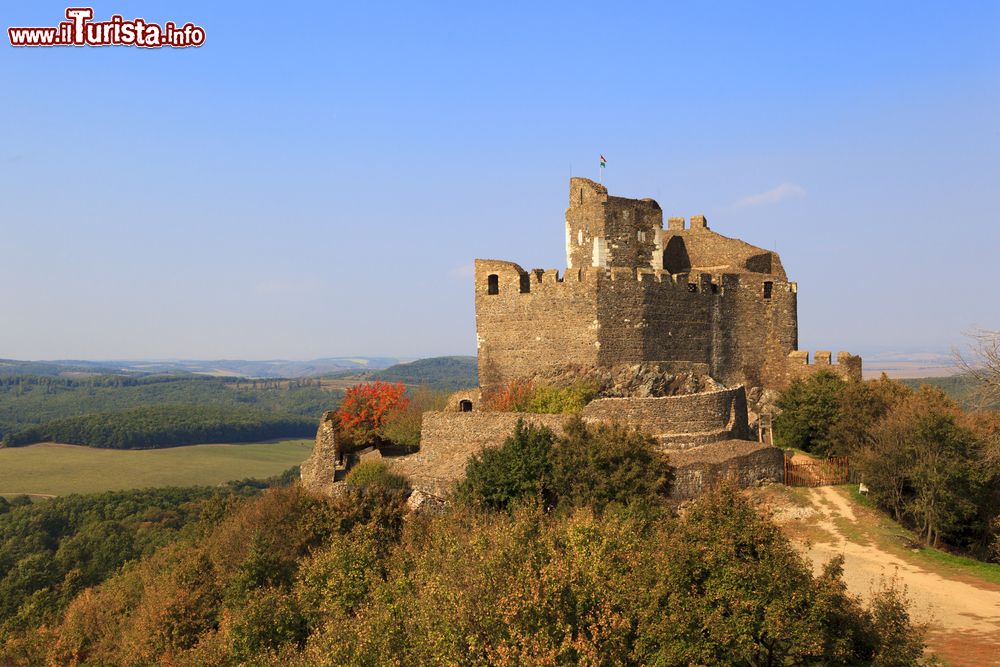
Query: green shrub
[(375, 477), (520, 468), (594, 465), (560, 400), (267, 622)]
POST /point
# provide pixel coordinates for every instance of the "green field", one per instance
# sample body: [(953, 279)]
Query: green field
[(51, 469)]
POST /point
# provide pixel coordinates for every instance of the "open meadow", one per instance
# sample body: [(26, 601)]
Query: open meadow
[(51, 469)]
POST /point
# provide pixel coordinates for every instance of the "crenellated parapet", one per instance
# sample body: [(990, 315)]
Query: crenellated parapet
[(846, 365)]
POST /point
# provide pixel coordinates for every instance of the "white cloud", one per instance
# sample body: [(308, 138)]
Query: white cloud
[(773, 196)]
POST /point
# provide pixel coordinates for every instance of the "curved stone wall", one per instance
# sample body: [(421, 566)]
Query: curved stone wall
[(679, 421)]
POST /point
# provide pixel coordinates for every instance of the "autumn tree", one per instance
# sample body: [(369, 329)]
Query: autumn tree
[(365, 407)]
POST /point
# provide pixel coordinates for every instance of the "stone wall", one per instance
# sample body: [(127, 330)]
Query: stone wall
[(319, 471), (744, 462), (532, 322), (448, 439), (678, 421), (606, 231)]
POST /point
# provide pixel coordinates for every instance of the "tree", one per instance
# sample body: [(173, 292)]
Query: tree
[(520, 468), (809, 409), (594, 465), (860, 405), (983, 363), (922, 464), (365, 407)]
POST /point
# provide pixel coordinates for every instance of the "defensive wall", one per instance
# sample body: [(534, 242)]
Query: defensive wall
[(745, 462), (741, 326)]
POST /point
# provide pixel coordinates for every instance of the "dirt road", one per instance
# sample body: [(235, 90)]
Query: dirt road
[(964, 615)]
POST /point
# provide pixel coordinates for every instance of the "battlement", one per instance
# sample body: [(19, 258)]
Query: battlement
[(846, 365), (497, 276)]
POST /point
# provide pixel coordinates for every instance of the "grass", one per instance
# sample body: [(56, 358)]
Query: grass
[(51, 469)]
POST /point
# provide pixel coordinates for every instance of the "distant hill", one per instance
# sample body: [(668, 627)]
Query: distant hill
[(52, 368), (269, 368), (443, 373)]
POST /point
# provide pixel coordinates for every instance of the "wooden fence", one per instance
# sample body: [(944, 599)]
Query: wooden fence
[(817, 473)]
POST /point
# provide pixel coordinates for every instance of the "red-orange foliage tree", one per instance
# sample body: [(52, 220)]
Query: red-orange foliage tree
[(364, 409)]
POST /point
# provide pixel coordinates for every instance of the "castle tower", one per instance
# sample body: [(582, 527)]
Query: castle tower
[(608, 232)]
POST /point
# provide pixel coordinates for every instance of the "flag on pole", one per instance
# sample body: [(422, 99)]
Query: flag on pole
[(604, 162)]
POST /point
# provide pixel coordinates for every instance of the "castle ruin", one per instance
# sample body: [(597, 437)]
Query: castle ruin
[(672, 325), (634, 292)]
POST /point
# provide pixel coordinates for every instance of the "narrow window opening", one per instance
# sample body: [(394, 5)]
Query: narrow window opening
[(715, 288), (768, 288), (692, 287), (493, 284), (465, 406)]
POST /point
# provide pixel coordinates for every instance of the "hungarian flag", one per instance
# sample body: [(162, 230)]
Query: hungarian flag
[(604, 162)]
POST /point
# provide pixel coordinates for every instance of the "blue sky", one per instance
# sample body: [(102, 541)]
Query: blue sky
[(316, 179)]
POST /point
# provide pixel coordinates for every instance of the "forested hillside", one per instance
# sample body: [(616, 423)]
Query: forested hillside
[(51, 550), (577, 574), (36, 401), (441, 373), (166, 426)]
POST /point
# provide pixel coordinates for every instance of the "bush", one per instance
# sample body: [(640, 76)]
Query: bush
[(808, 409), (512, 397), (589, 466), (520, 468), (523, 396), (376, 478), (560, 400), (593, 466)]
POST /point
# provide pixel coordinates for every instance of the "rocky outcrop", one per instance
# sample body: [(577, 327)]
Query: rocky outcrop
[(646, 380)]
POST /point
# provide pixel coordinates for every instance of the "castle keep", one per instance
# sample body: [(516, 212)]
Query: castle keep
[(634, 292)]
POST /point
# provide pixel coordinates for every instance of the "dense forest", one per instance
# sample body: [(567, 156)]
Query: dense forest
[(53, 549), (47, 405), (34, 408), (165, 426), (533, 564)]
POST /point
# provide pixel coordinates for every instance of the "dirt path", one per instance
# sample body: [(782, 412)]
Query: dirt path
[(964, 618)]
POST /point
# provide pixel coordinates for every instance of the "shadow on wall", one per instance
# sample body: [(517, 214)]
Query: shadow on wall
[(675, 257)]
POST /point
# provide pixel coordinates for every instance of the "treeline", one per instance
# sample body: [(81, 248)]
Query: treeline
[(31, 400), (522, 569), (165, 426), (51, 550), (933, 466)]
